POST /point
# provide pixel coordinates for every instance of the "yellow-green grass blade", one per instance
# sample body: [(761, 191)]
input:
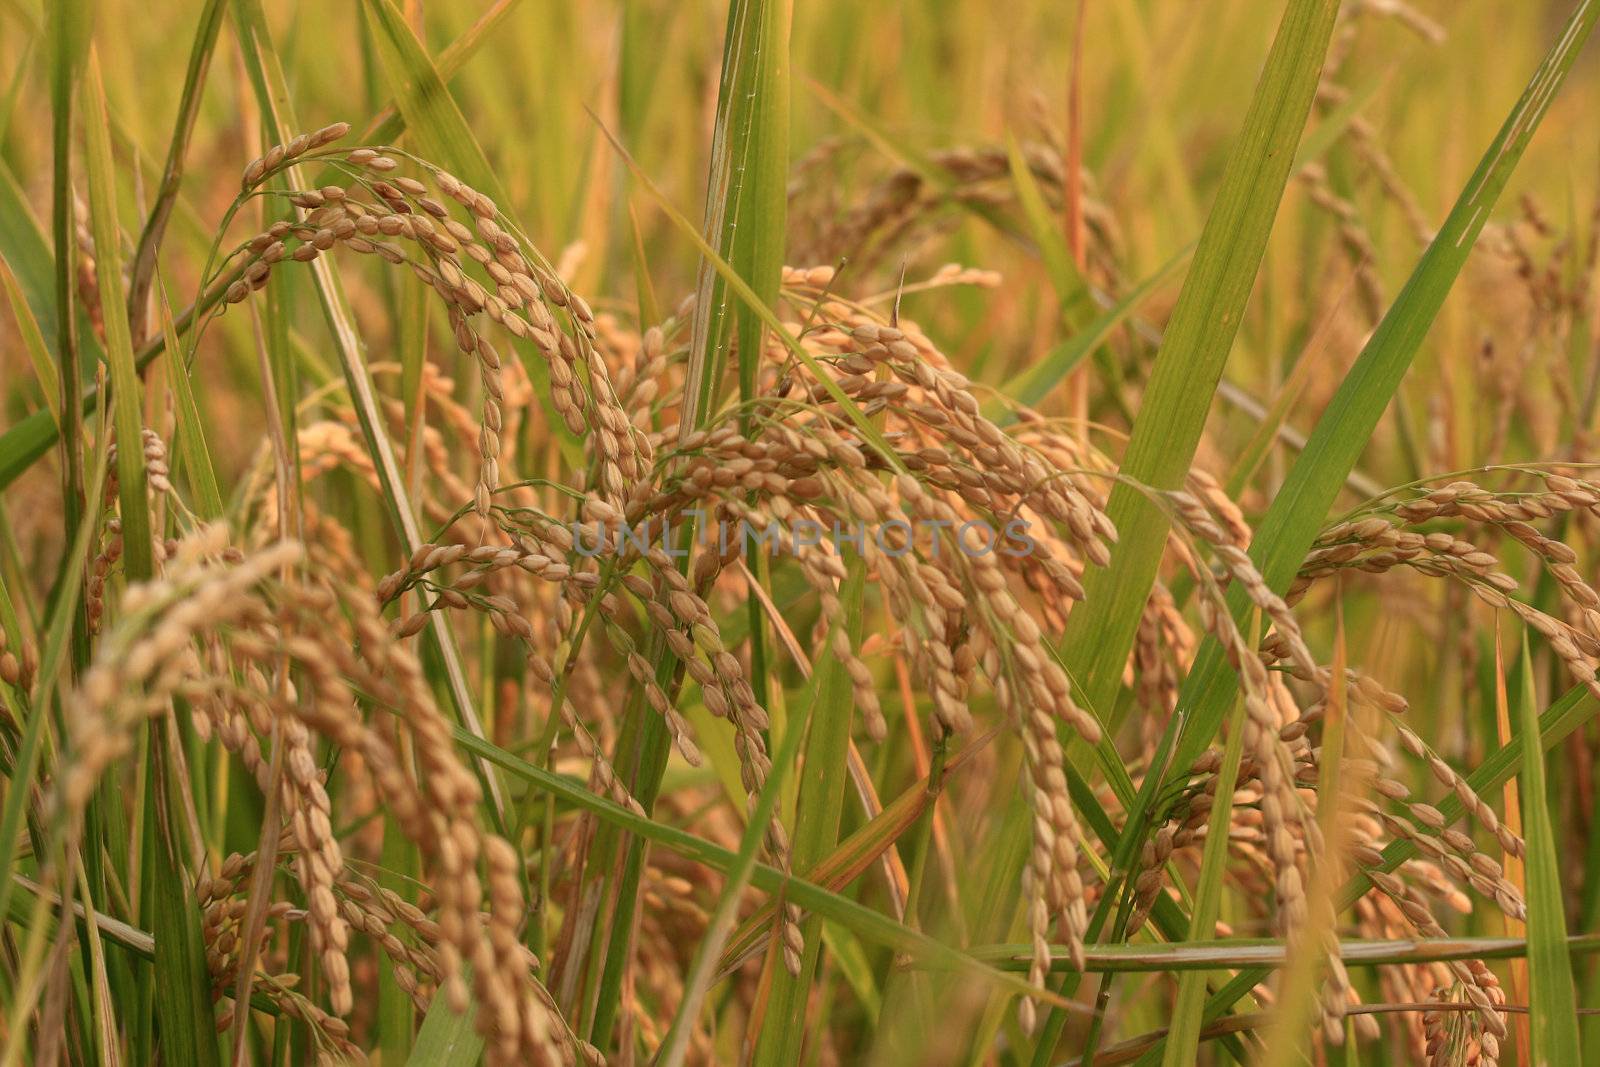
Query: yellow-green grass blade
[(279, 372), (1184, 1037), (143, 268), (868, 431), (1065, 278), (31, 747), (1161, 137), (1515, 866), (36, 743), (191, 428), (744, 220), (867, 923), (411, 337), (32, 341), (400, 868), (24, 246), (183, 1011), (757, 154), (1099, 635), (651, 756), (1225, 953), (703, 970), (1198, 337), (13, 93), (817, 813), (1268, 429), (1031, 385), (421, 96), (845, 863), (849, 957), (69, 40), (183, 1007), (649, 305), (1554, 1003), (113, 931), (126, 389), (23, 444), (747, 217), (390, 122), (1335, 124), (446, 1039), (745, 198)]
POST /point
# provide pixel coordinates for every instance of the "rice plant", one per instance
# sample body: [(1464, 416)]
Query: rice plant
[(760, 533)]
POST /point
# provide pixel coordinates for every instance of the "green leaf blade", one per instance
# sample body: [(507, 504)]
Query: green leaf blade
[(1201, 332), (1554, 999), (821, 802)]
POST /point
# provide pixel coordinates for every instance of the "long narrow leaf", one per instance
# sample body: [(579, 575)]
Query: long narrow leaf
[(144, 258), (184, 1008), (191, 430), (1553, 999), (702, 970), (822, 789), (446, 1038), (1198, 338), (421, 96), (745, 197), (32, 341), (863, 920), (31, 747), (1032, 385), (1184, 1037)]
